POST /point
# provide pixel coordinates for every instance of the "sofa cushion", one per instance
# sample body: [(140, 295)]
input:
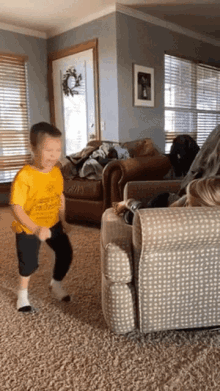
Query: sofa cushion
[(83, 188), (144, 147)]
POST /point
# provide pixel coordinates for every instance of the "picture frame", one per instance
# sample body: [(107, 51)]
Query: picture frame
[(143, 86)]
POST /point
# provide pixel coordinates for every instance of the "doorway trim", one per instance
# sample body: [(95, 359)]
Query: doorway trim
[(93, 44)]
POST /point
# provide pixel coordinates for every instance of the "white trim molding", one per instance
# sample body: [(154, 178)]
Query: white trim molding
[(23, 30), (104, 12), (59, 30), (162, 23)]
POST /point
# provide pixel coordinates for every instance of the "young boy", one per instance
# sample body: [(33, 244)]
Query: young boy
[(38, 204)]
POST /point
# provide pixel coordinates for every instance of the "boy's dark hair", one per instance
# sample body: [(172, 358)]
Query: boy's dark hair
[(38, 131)]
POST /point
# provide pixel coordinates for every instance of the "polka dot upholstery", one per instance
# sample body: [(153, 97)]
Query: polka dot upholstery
[(118, 304), (176, 257), (118, 294), (163, 272), (117, 263)]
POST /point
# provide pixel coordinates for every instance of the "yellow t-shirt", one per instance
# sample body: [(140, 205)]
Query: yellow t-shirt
[(39, 194)]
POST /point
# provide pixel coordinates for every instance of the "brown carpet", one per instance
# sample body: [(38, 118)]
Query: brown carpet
[(69, 347)]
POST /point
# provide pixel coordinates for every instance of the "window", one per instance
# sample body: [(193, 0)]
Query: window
[(191, 99), (14, 118)]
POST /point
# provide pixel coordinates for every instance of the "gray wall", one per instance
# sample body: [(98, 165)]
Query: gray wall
[(144, 44), (105, 30), (36, 50)]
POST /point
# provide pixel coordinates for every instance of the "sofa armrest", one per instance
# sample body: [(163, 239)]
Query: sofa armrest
[(146, 190), (118, 172)]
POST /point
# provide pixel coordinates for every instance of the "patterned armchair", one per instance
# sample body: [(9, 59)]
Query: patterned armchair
[(163, 272)]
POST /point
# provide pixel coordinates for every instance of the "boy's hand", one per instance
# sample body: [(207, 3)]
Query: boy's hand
[(43, 233)]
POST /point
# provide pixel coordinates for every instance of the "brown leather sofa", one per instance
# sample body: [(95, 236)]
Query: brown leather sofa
[(87, 199)]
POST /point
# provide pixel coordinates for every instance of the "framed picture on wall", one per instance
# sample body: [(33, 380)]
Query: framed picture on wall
[(143, 86)]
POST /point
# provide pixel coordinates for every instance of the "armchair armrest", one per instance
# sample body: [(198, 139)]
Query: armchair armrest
[(118, 293), (118, 172)]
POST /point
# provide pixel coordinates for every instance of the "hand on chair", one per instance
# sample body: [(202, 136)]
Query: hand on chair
[(122, 206), (119, 207)]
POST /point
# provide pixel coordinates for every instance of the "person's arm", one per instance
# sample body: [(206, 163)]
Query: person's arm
[(67, 227), (62, 209), (23, 218)]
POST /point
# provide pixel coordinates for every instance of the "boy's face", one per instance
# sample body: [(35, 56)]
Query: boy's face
[(47, 153)]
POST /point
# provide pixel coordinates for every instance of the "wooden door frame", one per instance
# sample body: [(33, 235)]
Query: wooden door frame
[(93, 44)]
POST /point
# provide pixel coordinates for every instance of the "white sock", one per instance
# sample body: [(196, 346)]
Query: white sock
[(22, 298), (58, 291)]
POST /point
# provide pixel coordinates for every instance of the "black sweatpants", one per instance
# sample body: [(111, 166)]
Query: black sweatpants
[(28, 250)]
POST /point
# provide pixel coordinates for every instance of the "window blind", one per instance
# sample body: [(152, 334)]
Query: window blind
[(14, 116), (191, 99)]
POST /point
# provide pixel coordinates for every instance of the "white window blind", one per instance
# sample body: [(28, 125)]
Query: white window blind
[(191, 99), (14, 116)]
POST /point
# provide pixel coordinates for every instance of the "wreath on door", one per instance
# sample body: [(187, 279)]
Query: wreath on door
[(71, 72)]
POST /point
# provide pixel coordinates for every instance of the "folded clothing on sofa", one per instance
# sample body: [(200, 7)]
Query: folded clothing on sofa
[(89, 163)]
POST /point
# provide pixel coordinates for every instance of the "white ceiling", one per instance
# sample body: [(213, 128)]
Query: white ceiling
[(52, 17)]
